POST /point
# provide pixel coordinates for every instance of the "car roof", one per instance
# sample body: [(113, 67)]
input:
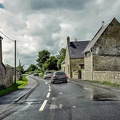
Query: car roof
[(59, 72)]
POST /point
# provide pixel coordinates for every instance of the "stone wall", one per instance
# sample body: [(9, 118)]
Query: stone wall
[(6, 73), (2, 73), (9, 76), (109, 41), (75, 74), (63, 67), (110, 76), (106, 63), (88, 67), (75, 65)]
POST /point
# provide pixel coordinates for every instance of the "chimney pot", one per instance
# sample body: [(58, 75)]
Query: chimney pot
[(68, 40)]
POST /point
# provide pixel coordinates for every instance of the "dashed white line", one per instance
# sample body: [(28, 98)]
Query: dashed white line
[(60, 93), (46, 83), (43, 106), (74, 106), (48, 95)]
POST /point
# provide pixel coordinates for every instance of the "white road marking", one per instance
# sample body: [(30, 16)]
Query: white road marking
[(74, 106), (49, 90), (60, 93), (43, 106), (48, 95), (46, 83)]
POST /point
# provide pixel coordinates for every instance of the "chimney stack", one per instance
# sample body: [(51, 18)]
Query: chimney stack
[(103, 23), (68, 40), (1, 49), (75, 39)]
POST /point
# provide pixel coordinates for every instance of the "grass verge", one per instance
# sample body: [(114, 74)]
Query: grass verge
[(19, 84), (106, 83)]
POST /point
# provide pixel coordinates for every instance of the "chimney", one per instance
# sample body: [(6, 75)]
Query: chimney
[(75, 39), (68, 40), (1, 49), (103, 23)]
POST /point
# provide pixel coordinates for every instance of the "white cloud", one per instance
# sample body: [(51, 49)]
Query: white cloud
[(45, 24)]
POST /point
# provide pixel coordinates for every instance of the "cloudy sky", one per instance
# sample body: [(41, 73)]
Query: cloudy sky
[(45, 24)]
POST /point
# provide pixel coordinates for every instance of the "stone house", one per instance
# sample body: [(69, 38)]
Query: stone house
[(63, 66), (102, 54), (74, 59)]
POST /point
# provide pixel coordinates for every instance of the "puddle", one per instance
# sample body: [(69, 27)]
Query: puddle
[(104, 97)]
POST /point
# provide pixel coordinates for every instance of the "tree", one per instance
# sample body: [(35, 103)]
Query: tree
[(50, 64), (32, 67), (61, 57), (7, 65), (20, 68), (42, 57)]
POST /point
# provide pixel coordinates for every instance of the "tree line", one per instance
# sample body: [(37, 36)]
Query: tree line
[(46, 61)]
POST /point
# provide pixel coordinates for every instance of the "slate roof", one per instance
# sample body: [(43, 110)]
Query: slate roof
[(96, 37), (76, 48)]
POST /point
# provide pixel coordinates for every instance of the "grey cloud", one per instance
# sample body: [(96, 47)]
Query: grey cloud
[(2, 6), (83, 16), (35, 5), (57, 4)]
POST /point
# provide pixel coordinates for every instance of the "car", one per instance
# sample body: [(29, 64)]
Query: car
[(36, 74), (47, 74), (59, 76)]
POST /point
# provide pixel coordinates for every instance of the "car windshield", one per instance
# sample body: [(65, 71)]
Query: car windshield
[(59, 73), (48, 73)]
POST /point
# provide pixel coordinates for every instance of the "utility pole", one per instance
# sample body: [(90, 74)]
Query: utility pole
[(15, 62)]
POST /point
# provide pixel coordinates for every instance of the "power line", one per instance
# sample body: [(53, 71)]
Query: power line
[(7, 36), (14, 53)]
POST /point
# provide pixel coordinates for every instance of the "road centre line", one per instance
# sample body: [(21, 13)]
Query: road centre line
[(43, 106), (48, 95)]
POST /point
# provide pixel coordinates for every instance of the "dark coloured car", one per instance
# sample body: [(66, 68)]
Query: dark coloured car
[(47, 74), (36, 74), (59, 76)]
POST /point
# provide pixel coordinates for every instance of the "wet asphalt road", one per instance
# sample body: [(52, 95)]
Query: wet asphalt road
[(67, 101)]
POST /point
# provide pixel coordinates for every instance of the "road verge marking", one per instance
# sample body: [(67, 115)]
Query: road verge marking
[(43, 106)]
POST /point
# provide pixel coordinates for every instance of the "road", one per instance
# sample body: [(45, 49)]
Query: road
[(66, 101)]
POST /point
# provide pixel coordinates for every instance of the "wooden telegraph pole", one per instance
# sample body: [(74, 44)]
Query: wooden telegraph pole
[(15, 62)]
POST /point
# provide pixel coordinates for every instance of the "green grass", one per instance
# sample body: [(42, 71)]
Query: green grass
[(19, 84), (41, 74), (106, 83)]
